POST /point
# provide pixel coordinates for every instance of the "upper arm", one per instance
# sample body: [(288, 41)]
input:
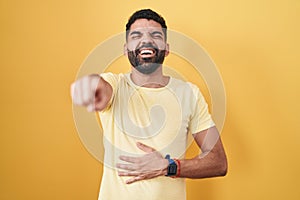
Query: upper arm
[(209, 140), (200, 118), (212, 150)]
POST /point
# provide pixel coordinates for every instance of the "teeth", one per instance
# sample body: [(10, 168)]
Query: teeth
[(146, 51)]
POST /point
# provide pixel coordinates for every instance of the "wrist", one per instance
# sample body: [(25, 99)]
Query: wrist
[(165, 167), (178, 168), (172, 169)]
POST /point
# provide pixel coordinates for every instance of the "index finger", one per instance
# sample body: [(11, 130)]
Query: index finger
[(129, 159)]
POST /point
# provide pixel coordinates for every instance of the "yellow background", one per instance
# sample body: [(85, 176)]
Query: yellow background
[(255, 45)]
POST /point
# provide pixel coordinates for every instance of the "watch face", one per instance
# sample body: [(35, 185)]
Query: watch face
[(172, 169)]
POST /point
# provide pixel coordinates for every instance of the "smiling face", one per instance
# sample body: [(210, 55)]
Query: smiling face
[(146, 45)]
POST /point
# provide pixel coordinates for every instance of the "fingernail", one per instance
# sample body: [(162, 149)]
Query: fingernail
[(139, 143)]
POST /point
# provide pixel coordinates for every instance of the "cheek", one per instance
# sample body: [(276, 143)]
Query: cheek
[(132, 45), (161, 45)]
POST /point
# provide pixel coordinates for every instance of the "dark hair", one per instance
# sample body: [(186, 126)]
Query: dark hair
[(146, 14)]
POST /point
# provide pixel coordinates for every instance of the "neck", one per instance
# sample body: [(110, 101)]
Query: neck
[(154, 80)]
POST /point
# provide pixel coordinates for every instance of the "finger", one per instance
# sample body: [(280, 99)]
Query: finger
[(75, 89), (94, 82), (128, 173), (91, 107), (129, 167), (145, 148), (72, 90), (86, 90), (130, 159), (134, 179)]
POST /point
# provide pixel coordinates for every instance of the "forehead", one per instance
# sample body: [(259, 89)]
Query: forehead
[(142, 24)]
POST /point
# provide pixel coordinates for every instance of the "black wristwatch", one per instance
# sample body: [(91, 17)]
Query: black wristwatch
[(172, 168)]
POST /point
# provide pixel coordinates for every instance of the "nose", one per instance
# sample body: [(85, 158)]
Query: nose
[(146, 38)]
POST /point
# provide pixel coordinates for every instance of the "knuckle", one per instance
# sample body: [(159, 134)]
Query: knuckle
[(138, 161)]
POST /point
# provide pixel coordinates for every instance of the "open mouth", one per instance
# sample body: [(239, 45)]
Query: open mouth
[(147, 52)]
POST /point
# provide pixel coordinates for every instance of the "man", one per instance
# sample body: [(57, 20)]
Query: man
[(146, 117)]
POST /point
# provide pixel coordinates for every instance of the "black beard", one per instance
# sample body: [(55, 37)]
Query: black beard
[(146, 65)]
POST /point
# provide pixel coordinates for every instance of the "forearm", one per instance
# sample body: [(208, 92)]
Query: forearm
[(204, 166), (211, 163)]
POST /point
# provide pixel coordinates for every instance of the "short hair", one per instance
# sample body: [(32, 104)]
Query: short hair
[(146, 14)]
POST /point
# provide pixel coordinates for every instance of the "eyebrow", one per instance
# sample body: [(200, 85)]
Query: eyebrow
[(135, 32), (157, 32)]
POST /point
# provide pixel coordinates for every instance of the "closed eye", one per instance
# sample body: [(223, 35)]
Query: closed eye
[(157, 34), (135, 34)]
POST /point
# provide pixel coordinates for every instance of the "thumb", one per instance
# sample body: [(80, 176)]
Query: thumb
[(145, 148), (91, 107)]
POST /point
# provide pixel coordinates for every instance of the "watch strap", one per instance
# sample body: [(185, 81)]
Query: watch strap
[(172, 167)]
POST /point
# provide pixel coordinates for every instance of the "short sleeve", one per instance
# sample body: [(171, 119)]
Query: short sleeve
[(200, 118), (113, 80)]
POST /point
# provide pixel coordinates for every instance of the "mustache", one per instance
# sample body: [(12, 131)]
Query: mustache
[(148, 45)]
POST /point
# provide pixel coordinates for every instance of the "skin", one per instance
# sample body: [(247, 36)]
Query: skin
[(94, 93), (145, 27)]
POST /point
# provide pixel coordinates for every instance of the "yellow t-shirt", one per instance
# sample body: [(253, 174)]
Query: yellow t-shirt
[(158, 117)]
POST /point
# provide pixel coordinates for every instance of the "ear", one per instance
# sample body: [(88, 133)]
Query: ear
[(125, 51), (167, 49)]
